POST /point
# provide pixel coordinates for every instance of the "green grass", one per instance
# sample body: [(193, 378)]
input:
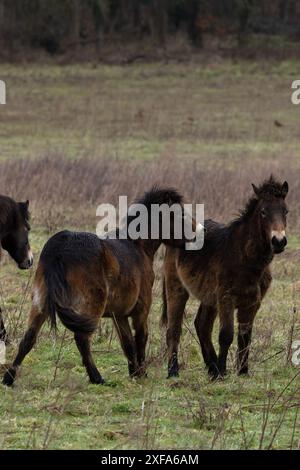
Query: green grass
[(217, 111), (223, 114), (53, 405)]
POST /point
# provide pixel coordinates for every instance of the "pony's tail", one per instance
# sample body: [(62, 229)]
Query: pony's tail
[(58, 301), (164, 311)]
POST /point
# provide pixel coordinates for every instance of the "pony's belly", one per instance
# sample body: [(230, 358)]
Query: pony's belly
[(201, 286)]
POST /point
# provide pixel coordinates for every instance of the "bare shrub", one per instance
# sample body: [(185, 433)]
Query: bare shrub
[(65, 193)]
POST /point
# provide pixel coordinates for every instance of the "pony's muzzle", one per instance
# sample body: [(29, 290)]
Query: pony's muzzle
[(27, 263), (278, 244)]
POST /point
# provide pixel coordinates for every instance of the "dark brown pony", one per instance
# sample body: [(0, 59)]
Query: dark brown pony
[(14, 228), (82, 278), (230, 272)]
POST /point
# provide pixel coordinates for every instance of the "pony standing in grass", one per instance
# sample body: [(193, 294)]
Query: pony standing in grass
[(14, 229), (230, 272), (81, 278)]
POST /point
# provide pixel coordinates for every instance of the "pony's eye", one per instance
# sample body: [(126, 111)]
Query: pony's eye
[(263, 213)]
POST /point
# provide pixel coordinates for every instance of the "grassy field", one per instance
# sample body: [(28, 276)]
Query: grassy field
[(216, 111), (121, 129)]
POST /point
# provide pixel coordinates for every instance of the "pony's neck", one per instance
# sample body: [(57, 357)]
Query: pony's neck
[(5, 227), (255, 244), (8, 210)]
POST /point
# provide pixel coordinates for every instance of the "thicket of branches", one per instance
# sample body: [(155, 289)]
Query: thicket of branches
[(59, 25)]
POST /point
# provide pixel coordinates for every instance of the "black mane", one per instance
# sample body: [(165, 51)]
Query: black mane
[(157, 195), (23, 207)]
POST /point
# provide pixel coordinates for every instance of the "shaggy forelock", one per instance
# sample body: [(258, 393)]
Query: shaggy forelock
[(270, 188)]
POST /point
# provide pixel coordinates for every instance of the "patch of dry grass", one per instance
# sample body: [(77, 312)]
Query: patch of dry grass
[(65, 193)]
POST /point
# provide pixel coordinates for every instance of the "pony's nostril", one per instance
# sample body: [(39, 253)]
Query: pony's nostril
[(279, 244)]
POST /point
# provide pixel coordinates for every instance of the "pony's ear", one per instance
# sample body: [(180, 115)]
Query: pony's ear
[(284, 189), (24, 209), (255, 189)]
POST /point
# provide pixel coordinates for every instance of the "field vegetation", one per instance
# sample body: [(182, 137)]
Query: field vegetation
[(72, 137)]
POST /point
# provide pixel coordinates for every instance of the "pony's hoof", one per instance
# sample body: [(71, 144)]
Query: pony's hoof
[(213, 377), (138, 374), (97, 381), (173, 373), (217, 377), (243, 372), (213, 372), (5, 339), (9, 377), (141, 374)]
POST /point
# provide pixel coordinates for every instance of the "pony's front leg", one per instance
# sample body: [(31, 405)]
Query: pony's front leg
[(3, 334), (36, 321), (204, 323), (140, 325), (226, 313), (176, 302), (245, 318)]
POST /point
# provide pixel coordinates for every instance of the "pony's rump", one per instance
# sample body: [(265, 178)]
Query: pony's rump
[(55, 260)]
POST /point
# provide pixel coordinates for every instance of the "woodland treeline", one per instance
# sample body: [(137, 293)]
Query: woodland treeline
[(59, 25)]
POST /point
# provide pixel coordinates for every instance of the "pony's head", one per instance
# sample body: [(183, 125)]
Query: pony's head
[(14, 220), (271, 209)]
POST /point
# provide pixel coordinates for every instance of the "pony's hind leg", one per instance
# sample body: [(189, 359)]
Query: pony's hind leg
[(127, 343), (36, 320), (204, 323), (83, 344), (93, 305)]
